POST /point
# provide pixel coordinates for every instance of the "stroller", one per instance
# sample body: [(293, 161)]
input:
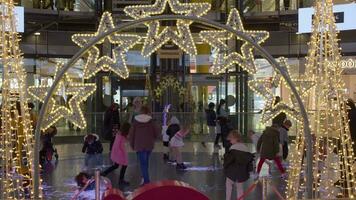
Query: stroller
[(48, 150)]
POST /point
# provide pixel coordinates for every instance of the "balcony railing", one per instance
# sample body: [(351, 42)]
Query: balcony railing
[(197, 121)]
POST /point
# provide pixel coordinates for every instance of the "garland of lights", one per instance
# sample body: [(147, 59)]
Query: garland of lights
[(79, 92), (16, 144), (166, 82), (225, 60), (333, 156), (95, 63), (182, 36)]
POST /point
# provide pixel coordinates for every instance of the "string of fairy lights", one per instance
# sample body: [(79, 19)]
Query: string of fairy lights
[(16, 144), (182, 36), (122, 42), (74, 94), (167, 82), (226, 59)]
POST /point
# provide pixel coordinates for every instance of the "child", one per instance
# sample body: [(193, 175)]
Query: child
[(93, 150), (165, 136), (283, 137), (210, 120), (176, 144), (86, 186), (119, 154), (237, 164), (268, 147), (172, 129), (48, 149)]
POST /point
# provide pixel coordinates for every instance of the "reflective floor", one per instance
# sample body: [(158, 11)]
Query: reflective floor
[(204, 172)]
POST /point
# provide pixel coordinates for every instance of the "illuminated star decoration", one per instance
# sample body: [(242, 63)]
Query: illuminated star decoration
[(217, 39), (303, 84), (182, 37), (76, 93), (117, 63), (264, 89)]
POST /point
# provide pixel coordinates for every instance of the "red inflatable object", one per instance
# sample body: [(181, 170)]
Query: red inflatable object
[(167, 190), (113, 194)]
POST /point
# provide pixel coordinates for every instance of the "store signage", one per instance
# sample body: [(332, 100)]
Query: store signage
[(348, 64), (345, 15)]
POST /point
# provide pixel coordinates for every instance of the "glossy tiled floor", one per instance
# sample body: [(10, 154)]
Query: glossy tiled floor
[(205, 172)]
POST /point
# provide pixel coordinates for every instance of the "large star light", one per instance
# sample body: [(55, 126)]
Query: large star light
[(73, 93), (95, 63), (217, 39), (264, 89), (182, 36)]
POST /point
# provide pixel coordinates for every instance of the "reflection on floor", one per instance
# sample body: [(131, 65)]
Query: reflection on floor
[(205, 172)]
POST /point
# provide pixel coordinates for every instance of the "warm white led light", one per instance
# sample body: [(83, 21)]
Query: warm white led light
[(16, 132), (76, 92), (333, 156), (225, 60), (181, 36), (95, 63)]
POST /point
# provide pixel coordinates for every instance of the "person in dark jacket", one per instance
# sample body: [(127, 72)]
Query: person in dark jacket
[(93, 150), (111, 122), (352, 121), (281, 117), (268, 147), (210, 121), (225, 127), (142, 136), (222, 113), (237, 164)]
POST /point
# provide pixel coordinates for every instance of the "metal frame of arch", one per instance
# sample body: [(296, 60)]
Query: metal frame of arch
[(208, 23)]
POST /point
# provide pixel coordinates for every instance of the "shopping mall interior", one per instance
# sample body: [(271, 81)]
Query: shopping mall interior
[(178, 99)]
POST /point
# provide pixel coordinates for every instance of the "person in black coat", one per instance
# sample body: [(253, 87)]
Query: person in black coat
[(281, 117), (352, 121), (210, 121), (111, 122), (237, 164), (225, 127)]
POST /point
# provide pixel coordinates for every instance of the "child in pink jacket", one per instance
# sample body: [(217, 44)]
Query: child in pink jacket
[(119, 154)]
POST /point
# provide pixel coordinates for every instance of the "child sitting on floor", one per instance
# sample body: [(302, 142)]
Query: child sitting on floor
[(176, 143), (93, 150), (86, 186), (237, 164)]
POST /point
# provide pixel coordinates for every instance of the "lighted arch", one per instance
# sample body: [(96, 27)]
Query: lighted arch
[(206, 22)]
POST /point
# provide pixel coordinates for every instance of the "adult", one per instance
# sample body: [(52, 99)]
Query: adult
[(222, 115), (136, 105), (281, 117), (210, 121), (111, 122), (352, 121), (142, 136)]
